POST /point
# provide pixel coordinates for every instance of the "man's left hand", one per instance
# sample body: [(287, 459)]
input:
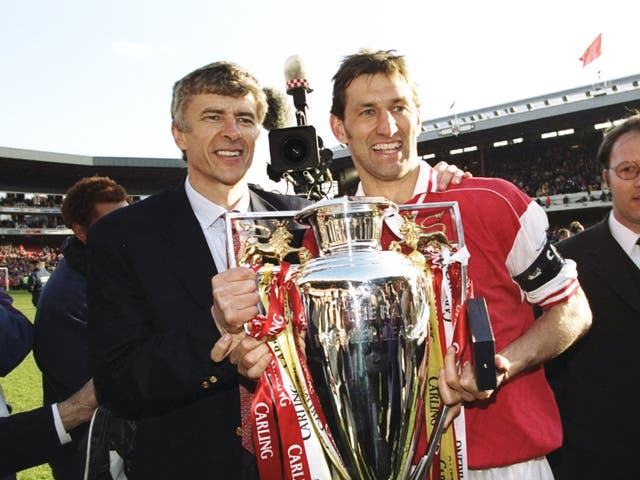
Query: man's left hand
[(449, 174)]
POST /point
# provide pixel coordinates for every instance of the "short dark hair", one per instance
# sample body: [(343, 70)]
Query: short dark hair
[(612, 134), (221, 78), (368, 62), (80, 200), (576, 227)]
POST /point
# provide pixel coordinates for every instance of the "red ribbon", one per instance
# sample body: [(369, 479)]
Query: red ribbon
[(278, 409)]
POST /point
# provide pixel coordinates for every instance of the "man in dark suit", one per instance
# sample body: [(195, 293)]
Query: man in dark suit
[(594, 380), (150, 295), (31, 438), (61, 346)]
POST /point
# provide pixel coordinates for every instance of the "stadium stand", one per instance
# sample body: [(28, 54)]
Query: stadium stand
[(546, 145)]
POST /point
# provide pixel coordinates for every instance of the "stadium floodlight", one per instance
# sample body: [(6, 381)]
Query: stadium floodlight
[(457, 151), (517, 140), (470, 149), (549, 135), (568, 131), (501, 143), (602, 126)]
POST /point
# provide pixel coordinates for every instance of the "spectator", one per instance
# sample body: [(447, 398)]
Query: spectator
[(563, 234), (61, 346), (37, 280), (576, 227)]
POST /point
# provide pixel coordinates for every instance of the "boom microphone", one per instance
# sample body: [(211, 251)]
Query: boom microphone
[(279, 114), (295, 74), (297, 86)]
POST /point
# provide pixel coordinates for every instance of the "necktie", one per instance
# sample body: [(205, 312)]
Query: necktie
[(635, 253), (246, 399)]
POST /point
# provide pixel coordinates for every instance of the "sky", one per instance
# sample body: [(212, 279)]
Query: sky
[(91, 77)]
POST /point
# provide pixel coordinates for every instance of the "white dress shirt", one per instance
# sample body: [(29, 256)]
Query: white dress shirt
[(627, 239), (63, 436), (211, 218)]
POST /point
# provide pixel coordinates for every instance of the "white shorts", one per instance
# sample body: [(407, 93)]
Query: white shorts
[(536, 469)]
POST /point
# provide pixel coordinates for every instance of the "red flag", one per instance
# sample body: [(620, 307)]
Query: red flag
[(592, 52)]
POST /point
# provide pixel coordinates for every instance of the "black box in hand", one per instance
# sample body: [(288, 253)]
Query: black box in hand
[(482, 343)]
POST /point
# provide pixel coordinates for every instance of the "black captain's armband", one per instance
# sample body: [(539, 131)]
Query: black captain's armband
[(543, 269)]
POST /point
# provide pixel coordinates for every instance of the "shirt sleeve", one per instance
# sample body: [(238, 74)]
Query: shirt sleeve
[(529, 243), (63, 436)]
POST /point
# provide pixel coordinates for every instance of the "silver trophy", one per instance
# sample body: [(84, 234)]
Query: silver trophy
[(368, 319), (367, 312)]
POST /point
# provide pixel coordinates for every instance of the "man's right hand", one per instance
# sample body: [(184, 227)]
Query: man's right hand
[(235, 302), (235, 299)]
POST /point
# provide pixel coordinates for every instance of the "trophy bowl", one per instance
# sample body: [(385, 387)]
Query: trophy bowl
[(367, 312)]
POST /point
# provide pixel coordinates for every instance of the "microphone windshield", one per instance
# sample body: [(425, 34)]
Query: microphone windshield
[(279, 113), (295, 74)]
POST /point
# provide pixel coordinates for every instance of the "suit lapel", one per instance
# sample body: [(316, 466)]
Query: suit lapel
[(190, 257), (614, 267), (259, 204)]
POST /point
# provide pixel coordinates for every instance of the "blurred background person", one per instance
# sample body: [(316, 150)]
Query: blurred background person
[(61, 347), (563, 234), (576, 227), (37, 280)]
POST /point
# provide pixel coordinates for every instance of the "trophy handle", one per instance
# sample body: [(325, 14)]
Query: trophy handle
[(422, 469)]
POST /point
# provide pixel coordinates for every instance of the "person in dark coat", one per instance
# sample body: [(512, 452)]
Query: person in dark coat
[(31, 438), (149, 286), (61, 347), (594, 380), (37, 280)]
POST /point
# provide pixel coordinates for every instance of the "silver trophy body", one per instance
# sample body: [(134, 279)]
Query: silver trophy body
[(367, 312)]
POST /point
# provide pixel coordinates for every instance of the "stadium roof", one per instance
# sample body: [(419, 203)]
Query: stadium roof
[(46, 172), (577, 108)]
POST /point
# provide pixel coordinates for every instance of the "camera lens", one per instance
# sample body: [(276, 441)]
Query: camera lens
[(295, 149)]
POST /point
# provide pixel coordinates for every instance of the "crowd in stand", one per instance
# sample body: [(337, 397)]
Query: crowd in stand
[(19, 261), (553, 171), (45, 201), (33, 221)]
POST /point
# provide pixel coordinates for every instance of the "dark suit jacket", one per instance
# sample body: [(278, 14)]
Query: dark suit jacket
[(61, 348), (596, 380), (151, 333), (27, 439)]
